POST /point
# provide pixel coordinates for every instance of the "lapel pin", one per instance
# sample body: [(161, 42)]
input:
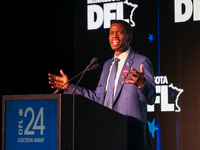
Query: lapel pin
[(128, 64)]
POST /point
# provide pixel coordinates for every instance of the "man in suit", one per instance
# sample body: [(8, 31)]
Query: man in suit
[(133, 86)]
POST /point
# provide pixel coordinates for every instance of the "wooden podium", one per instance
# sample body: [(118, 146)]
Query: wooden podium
[(76, 124)]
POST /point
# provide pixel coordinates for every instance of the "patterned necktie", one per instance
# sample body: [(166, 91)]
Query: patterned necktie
[(111, 85)]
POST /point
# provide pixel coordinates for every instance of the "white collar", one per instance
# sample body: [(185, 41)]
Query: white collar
[(123, 55)]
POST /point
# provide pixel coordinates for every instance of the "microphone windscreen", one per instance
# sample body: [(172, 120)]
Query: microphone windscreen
[(95, 66), (94, 60)]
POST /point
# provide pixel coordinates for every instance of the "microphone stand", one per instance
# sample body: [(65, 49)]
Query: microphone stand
[(74, 89), (73, 93)]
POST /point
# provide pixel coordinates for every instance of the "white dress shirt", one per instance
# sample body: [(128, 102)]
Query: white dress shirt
[(122, 58)]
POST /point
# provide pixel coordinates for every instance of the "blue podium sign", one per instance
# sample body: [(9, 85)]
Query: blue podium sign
[(31, 124)]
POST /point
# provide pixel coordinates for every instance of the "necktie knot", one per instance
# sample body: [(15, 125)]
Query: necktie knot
[(116, 60)]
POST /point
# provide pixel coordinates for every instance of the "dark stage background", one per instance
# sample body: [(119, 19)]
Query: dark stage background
[(45, 36), (37, 38)]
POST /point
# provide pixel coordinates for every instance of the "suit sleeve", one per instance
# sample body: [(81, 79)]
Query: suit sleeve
[(147, 93), (93, 95)]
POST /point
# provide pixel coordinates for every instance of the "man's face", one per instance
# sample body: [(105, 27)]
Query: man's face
[(118, 38)]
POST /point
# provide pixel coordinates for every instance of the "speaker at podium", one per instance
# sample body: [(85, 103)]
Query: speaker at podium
[(61, 122)]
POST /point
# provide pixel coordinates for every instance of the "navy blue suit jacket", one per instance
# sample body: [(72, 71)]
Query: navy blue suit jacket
[(129, 100)]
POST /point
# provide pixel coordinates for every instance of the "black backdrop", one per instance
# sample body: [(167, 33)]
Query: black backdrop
[(45, 36), (36, 38)]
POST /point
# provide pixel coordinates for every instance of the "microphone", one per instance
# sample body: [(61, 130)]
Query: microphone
[(92, 62), (93, 65)]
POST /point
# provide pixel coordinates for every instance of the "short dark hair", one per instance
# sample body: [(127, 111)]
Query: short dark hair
[(127, 26)]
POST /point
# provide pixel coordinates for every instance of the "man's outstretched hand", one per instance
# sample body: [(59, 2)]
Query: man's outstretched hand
[(58, 81), (135, 77)]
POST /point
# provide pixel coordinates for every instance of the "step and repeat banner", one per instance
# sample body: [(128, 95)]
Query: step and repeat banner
[(167, 32)]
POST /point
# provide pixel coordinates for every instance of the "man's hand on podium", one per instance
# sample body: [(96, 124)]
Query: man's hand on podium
[(58, 81)]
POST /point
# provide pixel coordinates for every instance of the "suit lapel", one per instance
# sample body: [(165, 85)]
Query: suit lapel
[(127, 65)]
